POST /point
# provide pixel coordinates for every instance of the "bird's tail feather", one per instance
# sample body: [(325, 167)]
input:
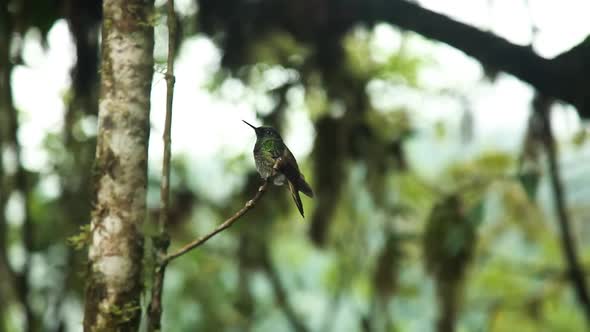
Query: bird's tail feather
[(304, 187), (296, 198)]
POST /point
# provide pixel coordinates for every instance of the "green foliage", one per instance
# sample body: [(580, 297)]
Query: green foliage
[(362, 62), (280, 48), (530, 182), (82, 239), (484, 169), (580, 138), (390, 126), (386, 275), (449, 239), (123, 314)]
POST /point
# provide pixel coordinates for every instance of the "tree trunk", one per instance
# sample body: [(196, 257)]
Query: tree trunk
[(120, 170)]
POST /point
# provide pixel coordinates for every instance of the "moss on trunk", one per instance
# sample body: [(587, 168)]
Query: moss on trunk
[(120, 171)]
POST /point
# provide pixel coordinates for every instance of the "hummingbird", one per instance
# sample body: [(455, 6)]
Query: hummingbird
[(268, 148)]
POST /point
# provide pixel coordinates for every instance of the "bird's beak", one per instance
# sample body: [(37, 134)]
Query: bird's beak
[(249, 125)]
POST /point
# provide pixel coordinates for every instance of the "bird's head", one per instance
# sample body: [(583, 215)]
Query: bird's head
[(265, 131)]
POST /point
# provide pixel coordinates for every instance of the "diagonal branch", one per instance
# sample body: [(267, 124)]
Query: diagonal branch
[(226, 224), (575, 270), (562, 77), (155, 307)]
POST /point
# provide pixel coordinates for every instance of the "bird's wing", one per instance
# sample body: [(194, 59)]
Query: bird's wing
[(290, 168), (304, 187)]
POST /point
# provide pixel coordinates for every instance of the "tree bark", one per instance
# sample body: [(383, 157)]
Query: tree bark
[(120, 171)]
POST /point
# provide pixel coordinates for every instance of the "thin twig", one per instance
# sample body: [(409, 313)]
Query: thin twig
[(155, 308), (170, 80), (226, 224), (576, 273), (162, 241), (5, 268)]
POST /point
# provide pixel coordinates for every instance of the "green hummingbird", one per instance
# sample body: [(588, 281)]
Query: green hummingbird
[(268, 148)]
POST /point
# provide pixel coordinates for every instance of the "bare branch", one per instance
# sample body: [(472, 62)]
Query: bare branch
[(155, 307), (163, 241), (170, 80), (226, 224)]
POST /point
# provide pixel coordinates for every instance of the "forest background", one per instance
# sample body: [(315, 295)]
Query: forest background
[(446, 142)]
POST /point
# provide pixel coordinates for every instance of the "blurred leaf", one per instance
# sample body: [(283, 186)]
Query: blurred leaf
[(385, 277), (389, 126), (477, 213), (506, 320), (560, 314), (82, 239), (358, 54), (278, 47), (479, 172), (530, 183), (449, 239), (440, 130), (402, 65), (580, 137), (495, 161), (216, 80)]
